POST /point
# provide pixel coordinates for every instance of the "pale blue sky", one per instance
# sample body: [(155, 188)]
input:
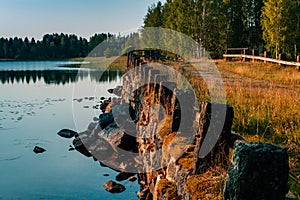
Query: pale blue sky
[(34, 18)]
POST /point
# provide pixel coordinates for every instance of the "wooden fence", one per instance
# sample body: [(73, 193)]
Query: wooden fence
[(254, 58)]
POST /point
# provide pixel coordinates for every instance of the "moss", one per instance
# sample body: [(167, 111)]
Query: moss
[(186, 162), (206, 186), (167, 190)]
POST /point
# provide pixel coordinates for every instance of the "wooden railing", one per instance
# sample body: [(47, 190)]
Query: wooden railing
[(264, 59)]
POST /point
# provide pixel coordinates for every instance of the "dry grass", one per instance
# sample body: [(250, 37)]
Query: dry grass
[(266, 102), (206, 186), (267, 110), (263, 71)]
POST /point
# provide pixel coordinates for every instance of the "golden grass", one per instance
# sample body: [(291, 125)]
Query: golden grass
[(267, 110), (206, 186), (266, 102), (262, 71)]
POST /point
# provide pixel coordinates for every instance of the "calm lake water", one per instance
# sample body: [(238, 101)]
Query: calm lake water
[(37, 100)]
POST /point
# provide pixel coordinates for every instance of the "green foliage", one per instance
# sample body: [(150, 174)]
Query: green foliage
[(279, 23), (218, 24), (63, 46)]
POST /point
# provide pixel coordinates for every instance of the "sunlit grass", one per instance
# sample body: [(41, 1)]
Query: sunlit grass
[(268, 111), (263, 71)]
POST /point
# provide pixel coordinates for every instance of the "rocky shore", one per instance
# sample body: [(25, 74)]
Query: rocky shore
[(154, 131)]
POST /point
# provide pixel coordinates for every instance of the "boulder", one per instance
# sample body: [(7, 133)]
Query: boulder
[(105, 119), (38, 149), (66, 133), (257, 171), (114, 187)]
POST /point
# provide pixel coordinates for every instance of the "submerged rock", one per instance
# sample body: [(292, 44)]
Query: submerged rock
[(114, 187), (66, 133), (38, 149)]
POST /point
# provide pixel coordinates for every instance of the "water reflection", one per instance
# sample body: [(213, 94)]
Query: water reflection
[(57, 76)]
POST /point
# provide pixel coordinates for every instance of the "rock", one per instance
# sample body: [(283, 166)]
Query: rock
[(110, 91), (66, 133), (102, 98), (257, 171), (132, 178), (105, 119), (114, 187), (71, 149), (79, 146), (104, 105), (118, 91), (38, 149), (123, 176), (105, 174)]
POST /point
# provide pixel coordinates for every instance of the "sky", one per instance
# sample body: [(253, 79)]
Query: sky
[(34, 18)]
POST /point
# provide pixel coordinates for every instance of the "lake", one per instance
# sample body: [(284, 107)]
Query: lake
[(37, 100)]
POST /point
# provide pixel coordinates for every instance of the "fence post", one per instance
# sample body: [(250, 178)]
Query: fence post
[(244, 53), (265, 55), (253, 54)]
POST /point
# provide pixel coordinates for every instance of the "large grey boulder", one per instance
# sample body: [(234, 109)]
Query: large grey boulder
[(258, 171)]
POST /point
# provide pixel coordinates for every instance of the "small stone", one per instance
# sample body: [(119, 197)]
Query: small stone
[(71, 149), (105, 174), (110, 91), (38, 149), (114, 187), (102, 98), (66, 133)]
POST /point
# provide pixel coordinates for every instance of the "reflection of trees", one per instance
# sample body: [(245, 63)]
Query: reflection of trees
[(57, 76)]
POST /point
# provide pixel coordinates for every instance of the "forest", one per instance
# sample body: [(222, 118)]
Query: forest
[(262, 25), (64, 46)]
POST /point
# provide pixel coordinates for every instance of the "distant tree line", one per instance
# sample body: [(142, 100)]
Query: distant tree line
[(63, 46), (272, 25)]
